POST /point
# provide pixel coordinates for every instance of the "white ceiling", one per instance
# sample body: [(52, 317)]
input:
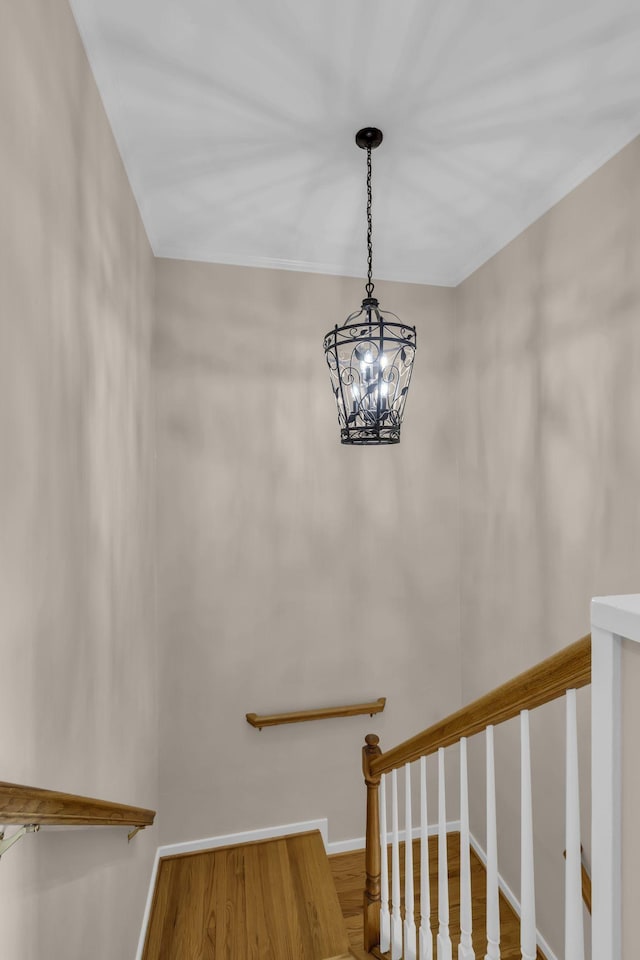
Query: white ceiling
[(236, 122)]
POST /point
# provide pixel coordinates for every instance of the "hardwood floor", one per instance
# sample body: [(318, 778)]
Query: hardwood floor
[(271, 900), (284, 900), (348, 874)]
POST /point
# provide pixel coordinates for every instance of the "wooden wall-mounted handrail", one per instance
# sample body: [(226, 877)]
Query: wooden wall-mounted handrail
[(32, 805), (323, 713), (566, 670)]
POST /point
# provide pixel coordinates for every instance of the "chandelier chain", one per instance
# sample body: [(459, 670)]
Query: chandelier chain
[(369, 287)]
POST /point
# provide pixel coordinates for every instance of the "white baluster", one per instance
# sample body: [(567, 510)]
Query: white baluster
[(465, 947), (493, 899), (574, 929), (444, 940), (385, 918), (426, 939), (396, 920), (528, 940), (409, 905)]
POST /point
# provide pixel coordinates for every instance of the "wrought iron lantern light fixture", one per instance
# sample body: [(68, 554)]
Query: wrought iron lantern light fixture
[(370, 357)]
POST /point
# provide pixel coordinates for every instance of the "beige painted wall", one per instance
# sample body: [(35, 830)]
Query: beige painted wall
[(268, 527), (293, 571), (549, 419), (78, 708)]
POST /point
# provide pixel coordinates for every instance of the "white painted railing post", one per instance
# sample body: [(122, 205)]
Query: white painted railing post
[(426, 937), (574, 920), (528, 939), (493, 896), (409, 904), (385, 918), (396, 920), (607, 626), (444, 940), (465, 947)]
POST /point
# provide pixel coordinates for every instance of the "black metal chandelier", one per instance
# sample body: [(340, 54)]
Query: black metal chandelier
[(370, 357)]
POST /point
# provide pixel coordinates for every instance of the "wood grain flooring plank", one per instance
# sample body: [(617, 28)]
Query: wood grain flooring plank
[(260, 944), (270, 900), (279, 896), (317, 900)]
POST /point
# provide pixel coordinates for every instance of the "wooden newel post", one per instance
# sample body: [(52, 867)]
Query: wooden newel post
[(372, 853)]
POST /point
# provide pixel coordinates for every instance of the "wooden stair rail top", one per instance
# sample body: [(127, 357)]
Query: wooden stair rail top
[(566, 670), (300, 716), (20, 805)]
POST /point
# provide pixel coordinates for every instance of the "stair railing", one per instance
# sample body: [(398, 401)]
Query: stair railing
[(558, 676)]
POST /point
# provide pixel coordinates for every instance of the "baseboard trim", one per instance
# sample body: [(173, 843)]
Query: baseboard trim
[(346, 846), (510, 896), (224, 840)]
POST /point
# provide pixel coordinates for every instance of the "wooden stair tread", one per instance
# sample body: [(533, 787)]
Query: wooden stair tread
[(270, 900), (349, 877)]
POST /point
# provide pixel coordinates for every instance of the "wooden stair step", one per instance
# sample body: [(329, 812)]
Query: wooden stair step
[(349, 877), (270, 900)]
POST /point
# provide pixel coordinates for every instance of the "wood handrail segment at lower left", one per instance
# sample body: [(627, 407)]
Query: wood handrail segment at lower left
[(20, 805), (322, 713)]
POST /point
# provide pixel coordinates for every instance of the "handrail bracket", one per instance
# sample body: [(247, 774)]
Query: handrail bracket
[(7, 842)]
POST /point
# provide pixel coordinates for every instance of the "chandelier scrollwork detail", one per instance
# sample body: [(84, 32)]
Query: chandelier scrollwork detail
[(370, 360), (370, 357)]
